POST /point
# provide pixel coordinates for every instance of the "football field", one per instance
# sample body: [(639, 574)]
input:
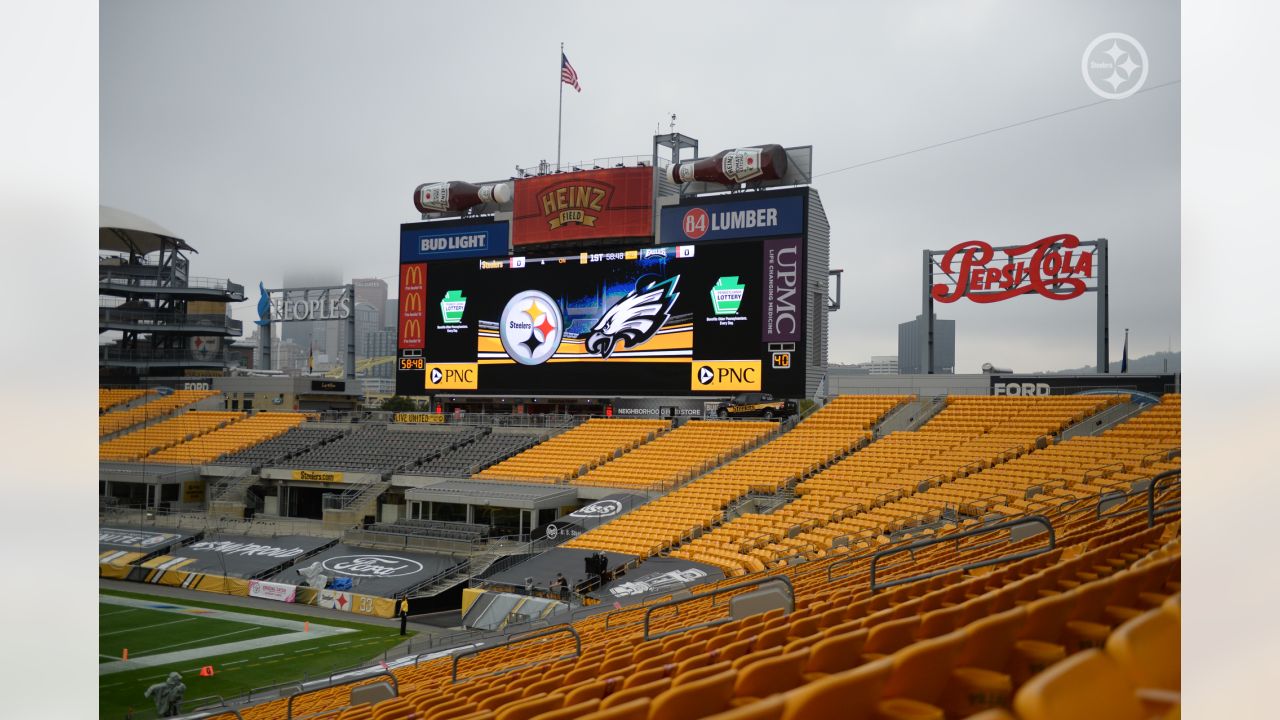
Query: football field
[(141, 639)]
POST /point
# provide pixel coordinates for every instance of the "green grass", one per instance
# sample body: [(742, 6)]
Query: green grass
[(141, 632)]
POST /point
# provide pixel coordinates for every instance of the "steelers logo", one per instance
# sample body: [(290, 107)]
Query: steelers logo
[(531, 327)]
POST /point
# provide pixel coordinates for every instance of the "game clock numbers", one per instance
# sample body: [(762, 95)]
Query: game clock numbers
[(411, 363)]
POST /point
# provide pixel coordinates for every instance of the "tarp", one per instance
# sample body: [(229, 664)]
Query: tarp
[(245, 557), (135, 540), (381, 573), (543, 568), (657, 576), (591, 515)]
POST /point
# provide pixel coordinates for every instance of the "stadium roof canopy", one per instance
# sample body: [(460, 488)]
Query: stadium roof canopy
[(122, 231)]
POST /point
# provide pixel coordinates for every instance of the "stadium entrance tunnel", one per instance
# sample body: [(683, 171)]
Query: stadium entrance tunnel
[(304, 502)]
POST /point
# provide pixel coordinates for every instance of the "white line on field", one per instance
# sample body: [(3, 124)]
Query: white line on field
[(153, 651), (264, 657), (145, 627), (118, 612), (236, 662)]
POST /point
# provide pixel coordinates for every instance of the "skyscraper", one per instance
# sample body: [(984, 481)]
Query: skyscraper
[(372, 292), (911, 343)]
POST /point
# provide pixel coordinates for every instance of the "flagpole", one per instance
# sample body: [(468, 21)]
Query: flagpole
[(560, 114)]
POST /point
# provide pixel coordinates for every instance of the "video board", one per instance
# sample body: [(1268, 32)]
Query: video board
[(713, 318)]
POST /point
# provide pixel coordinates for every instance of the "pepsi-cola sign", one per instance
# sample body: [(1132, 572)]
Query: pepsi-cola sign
[(734, 219), (1055, 267)]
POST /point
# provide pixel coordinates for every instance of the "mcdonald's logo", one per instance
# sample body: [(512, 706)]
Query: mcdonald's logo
[(412, 333), (413, 302), (414, 274)]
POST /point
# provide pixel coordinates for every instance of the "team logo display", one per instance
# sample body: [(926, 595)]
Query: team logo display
[(531, 327), (634, 318), (598, 509), (372, 566), (658, 582)]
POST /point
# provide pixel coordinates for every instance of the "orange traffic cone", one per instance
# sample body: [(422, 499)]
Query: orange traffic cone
[(125, 654), (206, 671), (306, 626)]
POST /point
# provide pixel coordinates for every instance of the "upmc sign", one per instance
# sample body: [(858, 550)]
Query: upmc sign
[(737, 219), (1054, 267), (783, 290), (437, 241)]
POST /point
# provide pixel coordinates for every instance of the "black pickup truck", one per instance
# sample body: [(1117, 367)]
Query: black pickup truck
[(756, 405)]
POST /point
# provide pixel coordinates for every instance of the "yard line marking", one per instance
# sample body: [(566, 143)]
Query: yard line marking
[(153, 651), (145, 627), (118, 612), (264, 657), (236, 662)]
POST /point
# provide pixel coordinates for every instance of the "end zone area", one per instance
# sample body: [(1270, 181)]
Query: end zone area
[(247, 648)]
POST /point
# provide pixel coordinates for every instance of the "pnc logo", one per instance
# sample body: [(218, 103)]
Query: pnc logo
[(735, 375), (452, 376)]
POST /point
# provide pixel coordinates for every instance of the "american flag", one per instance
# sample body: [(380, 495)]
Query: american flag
[(568, 74)]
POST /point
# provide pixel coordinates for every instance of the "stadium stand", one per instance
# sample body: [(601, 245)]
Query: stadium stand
[(380, 448), (1086, 627), (467, 459), (820, 439), (279, 449), (433, 529), (117, 420), (678, 456), (873, 491), (109, 398), (576, 451), (235, 437), (140, 443)]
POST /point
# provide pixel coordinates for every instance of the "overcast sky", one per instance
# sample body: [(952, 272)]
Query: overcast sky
[(290, 135)]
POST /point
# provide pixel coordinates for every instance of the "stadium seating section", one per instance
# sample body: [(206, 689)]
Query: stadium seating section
[(466, 459), (109, 398), (576, 451), (149, 439), (279, 449), (679, 455), (160, 406), (989, 624), (381, 448), (233, 438), (825, 436)]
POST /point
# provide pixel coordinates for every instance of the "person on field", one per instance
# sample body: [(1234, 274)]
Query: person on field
[(167, 695), (404, 613)]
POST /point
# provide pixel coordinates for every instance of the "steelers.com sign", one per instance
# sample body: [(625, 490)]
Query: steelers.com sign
[(687, 319)]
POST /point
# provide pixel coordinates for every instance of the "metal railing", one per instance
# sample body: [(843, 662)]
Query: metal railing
[(165, 319), (911, 548), (648, 613), (1151, 495), (111, 276), (556, 630), (395, 686)]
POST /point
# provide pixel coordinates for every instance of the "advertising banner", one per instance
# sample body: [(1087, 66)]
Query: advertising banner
[(317, 475), (651, 321), (1096, 383), (419, 417), (413, 304), (763, 216), (610, 203), (280, 592), (423, 241)]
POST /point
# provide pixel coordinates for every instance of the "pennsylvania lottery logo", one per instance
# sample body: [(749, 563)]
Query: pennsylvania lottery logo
[(726, 295), (452, 307)]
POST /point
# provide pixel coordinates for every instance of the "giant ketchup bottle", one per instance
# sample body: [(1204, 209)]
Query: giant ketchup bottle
[(455, 196), (729, 167)]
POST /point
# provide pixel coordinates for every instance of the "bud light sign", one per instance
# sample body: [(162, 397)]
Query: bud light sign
[(736, 219), (432, 241)]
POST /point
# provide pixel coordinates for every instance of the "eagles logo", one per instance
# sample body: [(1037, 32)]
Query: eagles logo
[(634, 318)]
